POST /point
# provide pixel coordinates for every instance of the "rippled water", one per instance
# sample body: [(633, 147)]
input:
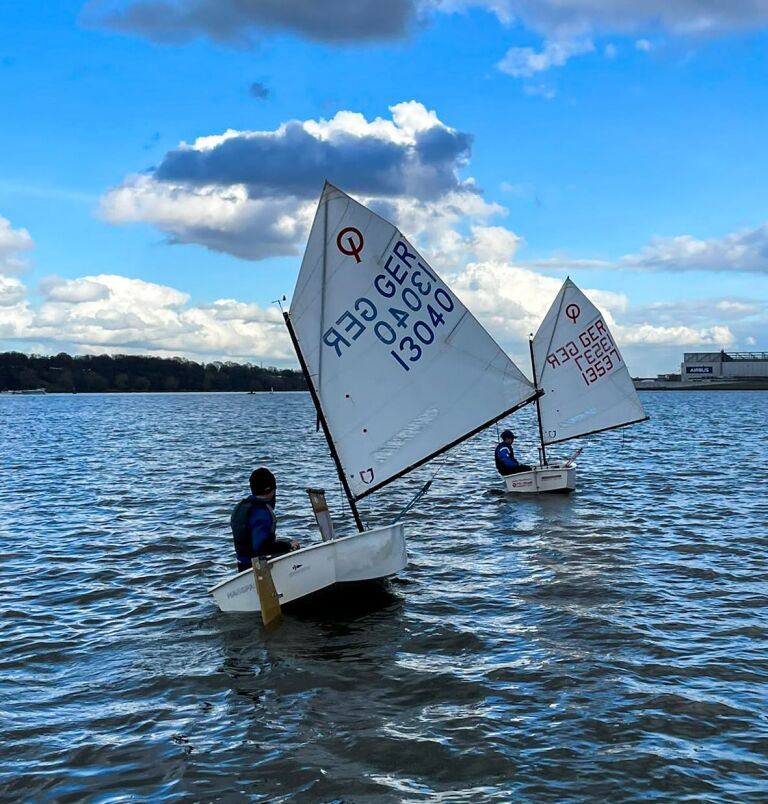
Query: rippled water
[(608, 644)]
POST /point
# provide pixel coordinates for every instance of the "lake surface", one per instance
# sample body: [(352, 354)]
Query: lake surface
[(609, 644)]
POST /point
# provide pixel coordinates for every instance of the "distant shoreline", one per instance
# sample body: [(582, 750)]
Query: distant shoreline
[(24, 375)]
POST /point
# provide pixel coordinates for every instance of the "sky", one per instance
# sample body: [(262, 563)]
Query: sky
[(161, 161)]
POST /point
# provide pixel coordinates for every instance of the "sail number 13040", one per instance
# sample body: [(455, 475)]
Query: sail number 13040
[(407, 297)]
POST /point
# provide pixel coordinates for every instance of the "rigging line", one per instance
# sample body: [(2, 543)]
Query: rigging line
[(421, 492)]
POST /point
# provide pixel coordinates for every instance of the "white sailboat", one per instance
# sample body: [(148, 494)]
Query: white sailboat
[(399, 372), (586, 384)]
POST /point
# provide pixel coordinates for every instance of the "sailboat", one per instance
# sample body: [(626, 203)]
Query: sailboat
[(399, 372), (587, 388)]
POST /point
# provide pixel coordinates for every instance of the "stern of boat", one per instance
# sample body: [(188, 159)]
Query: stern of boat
[(553, 478)]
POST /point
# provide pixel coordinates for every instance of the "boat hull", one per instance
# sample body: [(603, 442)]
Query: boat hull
[(552, 478), (372, 554)]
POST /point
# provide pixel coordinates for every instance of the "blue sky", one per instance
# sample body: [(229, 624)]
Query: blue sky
[(620, 143)]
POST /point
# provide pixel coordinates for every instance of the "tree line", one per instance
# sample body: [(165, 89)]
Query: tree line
[(64, 373)]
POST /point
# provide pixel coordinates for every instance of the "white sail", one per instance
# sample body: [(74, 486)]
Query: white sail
[(586, 385), (401, 368)]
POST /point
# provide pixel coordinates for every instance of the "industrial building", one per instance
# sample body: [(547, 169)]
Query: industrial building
[(716, 371), (728, 366)]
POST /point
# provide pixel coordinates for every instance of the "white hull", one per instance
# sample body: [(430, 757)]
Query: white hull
[(372, 554), (550, 478)]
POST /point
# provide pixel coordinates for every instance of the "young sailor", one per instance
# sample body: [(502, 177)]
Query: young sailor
[(253, 522), (506, 463)]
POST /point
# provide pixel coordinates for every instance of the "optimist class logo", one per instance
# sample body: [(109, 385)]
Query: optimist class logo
[(573, 311), (354, 243)]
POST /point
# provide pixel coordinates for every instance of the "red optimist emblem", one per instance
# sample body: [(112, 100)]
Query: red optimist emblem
[(350, 242)]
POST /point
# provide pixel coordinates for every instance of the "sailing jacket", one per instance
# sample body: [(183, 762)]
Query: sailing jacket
[(253, 528), (505, 459)]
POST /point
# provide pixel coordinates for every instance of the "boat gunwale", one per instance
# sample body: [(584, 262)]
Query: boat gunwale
[(294, 553)]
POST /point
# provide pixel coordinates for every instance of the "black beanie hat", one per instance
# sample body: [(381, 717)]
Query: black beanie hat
[(261, 481)]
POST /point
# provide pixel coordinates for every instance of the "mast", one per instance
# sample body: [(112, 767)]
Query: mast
[(538, 407), (321, 419)]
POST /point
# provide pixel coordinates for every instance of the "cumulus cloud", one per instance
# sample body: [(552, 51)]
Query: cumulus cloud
[(745, 250), (412, 154), (511, 300), (12, 291), (74, 291), (253, 193), (221, 218), (678, 336), (241, 23), (106, 313), (13, 242), (511, 297), (110, 313)]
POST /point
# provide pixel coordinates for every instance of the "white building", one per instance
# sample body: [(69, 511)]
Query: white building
[(724, 366)]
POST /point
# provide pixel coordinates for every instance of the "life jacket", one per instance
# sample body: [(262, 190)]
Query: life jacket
[(500, 467), (240, 522)]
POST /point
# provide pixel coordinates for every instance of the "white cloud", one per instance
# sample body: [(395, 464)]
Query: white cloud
[(511, 300), (649, 334), (221, 218), (253, 193), (12, 242), (523, 62), (546, 91), (611, 51), (737, 308), (643, 45), (679, 17), (745, 250), (12, 291), (106, 313), (74, 291), (110, 313)]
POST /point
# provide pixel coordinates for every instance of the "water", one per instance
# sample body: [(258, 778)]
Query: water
[(608, 644)]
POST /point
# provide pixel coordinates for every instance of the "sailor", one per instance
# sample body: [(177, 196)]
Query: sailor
[(506, 463), (253, 522)]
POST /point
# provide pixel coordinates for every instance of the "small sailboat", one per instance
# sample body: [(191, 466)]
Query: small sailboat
[(399, 371), (586, 384)]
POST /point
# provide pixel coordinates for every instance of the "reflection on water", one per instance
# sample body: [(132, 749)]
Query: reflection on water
[(610, 643)]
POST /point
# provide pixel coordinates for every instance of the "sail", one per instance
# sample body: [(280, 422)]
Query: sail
[(586, 385), (402, 370)]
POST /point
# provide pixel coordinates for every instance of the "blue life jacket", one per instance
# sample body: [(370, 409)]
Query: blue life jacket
[(253, 528), (505, 459)]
